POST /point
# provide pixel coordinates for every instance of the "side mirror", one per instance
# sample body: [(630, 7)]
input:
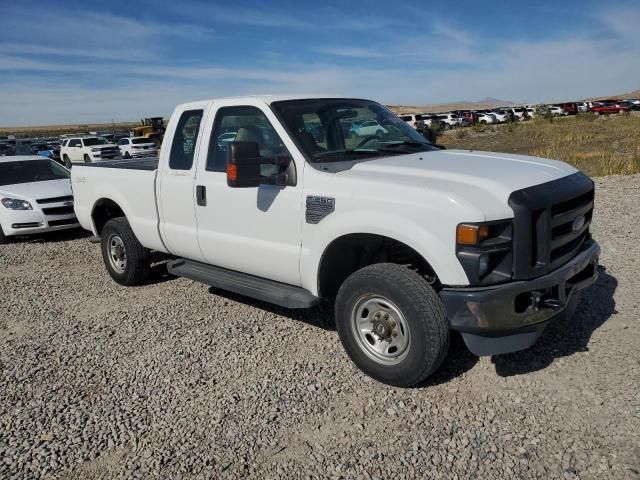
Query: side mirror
[(243, 165)]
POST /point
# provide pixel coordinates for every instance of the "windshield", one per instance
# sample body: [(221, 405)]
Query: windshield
[(26, 171), (88, 142), (343, 129)]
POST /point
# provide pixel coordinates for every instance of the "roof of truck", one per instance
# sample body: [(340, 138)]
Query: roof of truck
[(268, 99)]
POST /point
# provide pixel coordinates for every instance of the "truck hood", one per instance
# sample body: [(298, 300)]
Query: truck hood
[(483, 180), (38, 190)]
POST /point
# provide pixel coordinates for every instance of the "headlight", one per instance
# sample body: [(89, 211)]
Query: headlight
[(16, 204), (96, 149), (485, 251)]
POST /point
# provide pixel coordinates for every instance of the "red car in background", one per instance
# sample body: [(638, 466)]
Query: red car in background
[(570, 107), (605, 107)]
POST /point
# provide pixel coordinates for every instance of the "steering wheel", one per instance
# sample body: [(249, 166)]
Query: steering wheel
[(367, 139)]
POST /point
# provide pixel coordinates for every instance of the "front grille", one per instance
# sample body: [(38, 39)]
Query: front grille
[(65, 221), (548, 226), (58, 210), (56, 199)]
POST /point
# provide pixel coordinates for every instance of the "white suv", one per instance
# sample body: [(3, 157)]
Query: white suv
[(413, 119), (87, 150), (137, 147)]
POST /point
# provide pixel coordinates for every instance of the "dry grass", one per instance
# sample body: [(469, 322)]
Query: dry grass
[(597, 145)]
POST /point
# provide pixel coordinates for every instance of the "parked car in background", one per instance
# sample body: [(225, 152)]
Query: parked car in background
[(484, 117), (631, 105), (608, 107), (6, 148), (571, 108), (451, 120), (35, 196), (87, 150), (583, 107), (413, 119), (502, 116), (531, 112), (369, 128), (520, 113), (137, 147), (556, 111)]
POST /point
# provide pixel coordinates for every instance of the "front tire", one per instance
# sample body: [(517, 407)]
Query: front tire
[(126, 260), (3, 238), (87, 158), (392, 324)]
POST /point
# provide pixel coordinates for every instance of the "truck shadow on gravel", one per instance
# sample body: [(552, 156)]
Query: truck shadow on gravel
[(561, 338), (564, 337)]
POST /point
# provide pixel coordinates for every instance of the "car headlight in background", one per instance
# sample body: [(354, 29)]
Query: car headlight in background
[(485, 251), (16, 204)]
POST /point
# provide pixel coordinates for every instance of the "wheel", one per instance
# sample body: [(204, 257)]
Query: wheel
[(127, 261), (392, 324), (87, 158), (67, 162), (126, 155), (3, 238)]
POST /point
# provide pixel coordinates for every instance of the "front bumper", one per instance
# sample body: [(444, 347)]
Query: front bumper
[(510, 317), (26, 222)]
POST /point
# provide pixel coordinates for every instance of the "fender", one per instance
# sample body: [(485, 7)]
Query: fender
[(439, 253)]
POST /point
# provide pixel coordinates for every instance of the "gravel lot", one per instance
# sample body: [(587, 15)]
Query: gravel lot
[(174, 380)]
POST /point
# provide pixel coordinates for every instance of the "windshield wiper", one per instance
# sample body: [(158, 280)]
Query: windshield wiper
[(345, 152), (391, 147)]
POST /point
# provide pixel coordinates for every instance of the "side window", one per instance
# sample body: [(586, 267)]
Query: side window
[(242, 124), (74, 143), (184, 140)]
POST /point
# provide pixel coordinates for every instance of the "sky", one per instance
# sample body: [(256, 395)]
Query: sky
[(67, 62)]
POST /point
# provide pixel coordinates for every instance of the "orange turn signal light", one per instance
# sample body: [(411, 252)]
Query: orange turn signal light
[(471, 234), (232, 172)]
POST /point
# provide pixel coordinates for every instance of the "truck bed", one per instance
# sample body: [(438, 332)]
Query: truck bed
[(129, 185), (132, 164)]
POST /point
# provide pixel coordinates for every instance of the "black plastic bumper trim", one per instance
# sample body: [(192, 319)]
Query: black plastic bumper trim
[(491, 311)]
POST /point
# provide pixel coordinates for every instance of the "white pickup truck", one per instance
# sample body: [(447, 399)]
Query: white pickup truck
[(410, 241)]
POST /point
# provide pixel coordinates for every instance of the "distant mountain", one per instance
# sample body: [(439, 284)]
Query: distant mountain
[(494, 102), (634, 94)]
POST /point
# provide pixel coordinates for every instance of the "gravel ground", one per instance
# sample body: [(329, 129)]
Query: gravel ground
[(174, 380)]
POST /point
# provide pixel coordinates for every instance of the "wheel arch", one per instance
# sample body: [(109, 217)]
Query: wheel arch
[(105, 209), (353, 251)]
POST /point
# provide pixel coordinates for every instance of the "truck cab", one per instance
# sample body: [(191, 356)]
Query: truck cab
[(408, 241)]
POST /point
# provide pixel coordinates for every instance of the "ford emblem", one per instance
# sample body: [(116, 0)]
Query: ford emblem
[(578, 223)]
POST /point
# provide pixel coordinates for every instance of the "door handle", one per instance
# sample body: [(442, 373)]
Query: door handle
[(201, 195)]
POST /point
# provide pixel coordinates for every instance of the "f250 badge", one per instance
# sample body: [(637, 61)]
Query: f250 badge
[(318, 208)]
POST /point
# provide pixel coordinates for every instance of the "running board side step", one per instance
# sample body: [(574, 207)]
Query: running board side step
[(259, 288)]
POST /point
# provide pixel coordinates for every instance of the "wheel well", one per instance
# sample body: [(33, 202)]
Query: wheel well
[(103, 211), (352, 252)]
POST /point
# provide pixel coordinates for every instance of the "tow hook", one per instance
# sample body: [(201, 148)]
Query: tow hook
[(538, 301)]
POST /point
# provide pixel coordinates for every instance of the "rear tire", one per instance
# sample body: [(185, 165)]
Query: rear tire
[(127, 261), (67, 162), (392, 324)]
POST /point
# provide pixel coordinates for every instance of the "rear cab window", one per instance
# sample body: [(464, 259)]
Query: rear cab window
[(185, 140)]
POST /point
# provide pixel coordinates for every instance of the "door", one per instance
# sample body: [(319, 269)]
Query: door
[(175, 186), (251, 230), (75, 150)]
